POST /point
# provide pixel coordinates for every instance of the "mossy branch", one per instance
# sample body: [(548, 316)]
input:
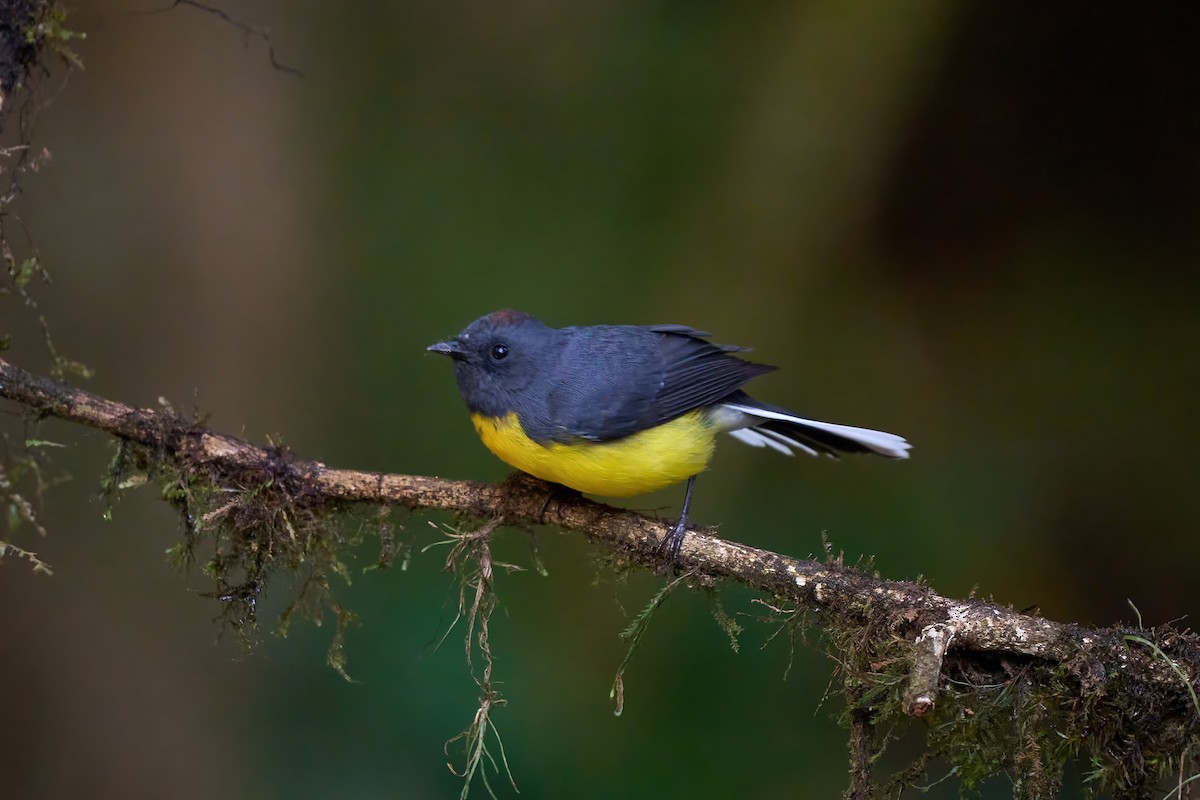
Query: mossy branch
[(903, 648), (847, 592)]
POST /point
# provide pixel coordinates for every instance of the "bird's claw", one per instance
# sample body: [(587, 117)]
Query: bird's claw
[(668, 548)]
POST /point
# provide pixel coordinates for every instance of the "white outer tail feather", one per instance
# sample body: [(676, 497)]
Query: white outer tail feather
[(776, 441), (887, 444)]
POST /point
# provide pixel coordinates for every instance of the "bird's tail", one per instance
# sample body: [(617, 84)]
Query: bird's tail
[(779, 429)]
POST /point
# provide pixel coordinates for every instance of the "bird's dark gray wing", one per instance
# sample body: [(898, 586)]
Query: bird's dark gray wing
[(618, 380), (698, 373)]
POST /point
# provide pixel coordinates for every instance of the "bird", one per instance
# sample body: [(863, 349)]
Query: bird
[(623, 410)]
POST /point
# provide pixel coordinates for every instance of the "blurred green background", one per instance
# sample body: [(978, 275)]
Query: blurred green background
[(977, 225)]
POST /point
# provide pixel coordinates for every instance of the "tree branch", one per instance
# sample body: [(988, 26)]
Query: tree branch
[(522, 500), (873, 623)]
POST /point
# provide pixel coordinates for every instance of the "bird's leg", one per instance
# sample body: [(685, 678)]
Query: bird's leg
[(669, 546)]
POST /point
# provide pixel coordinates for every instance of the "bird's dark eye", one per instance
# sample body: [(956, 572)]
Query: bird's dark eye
[(499, 351)]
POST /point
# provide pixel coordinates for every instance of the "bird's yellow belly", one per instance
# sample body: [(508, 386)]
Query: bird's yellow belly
[(640, 463)]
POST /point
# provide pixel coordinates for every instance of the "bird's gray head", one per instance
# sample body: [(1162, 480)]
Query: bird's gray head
[(497, 358)]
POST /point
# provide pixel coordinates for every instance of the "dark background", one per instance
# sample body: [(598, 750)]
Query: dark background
[(977, 225)]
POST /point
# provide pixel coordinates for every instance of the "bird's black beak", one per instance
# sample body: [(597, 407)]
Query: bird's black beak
[(452, 348)]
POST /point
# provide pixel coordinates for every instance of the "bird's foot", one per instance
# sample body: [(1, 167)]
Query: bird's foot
[(668, 548)]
